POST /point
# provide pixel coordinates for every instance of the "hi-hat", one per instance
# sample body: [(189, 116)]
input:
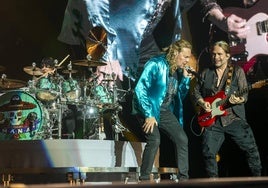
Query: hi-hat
[(87, 63), (11, 84), (69, 71), (2, 68), (33, 71)]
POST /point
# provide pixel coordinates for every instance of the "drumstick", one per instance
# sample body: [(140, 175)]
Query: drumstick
[(45, 74), (63, 60)]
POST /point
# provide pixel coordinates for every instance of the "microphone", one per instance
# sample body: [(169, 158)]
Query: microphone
[(240, 57), (191, 71)]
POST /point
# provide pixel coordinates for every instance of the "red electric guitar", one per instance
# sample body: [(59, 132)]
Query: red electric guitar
[(218, 103), (256, 43)]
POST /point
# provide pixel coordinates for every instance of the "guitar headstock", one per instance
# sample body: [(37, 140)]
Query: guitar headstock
[(259, 84)]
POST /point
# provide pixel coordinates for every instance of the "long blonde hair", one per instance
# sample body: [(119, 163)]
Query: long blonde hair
[(173, 50)]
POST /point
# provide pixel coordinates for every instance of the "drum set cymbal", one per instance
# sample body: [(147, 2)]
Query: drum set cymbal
[(96, 42), (69, 71), (89, 63), (33, 71), (8, 84)]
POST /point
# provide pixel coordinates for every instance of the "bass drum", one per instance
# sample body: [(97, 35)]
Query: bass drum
[(21, 116)]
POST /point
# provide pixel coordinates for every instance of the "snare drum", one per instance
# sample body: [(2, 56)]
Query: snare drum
[(47, 91), (21, 116), (71, 90)]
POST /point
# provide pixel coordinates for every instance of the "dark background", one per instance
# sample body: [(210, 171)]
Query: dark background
[(29, 31)]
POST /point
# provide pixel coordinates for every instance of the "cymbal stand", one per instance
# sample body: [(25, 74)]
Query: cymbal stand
[(84, 92), (55, 113), (70, 68), (129, 89), (115, 94), (59, 107), (31, 83), (118, 128)]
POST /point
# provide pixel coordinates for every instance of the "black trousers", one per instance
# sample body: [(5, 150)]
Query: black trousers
[(241, 133), (170, 126)]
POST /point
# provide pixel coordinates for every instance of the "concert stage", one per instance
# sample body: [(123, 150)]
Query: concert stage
[(91, 163), (70, 160)]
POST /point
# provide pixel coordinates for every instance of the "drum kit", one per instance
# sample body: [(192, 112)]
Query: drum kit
[(50, 96), (35, 109)]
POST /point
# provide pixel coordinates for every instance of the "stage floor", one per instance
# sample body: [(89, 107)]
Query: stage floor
[(105, 163), (245, 182)]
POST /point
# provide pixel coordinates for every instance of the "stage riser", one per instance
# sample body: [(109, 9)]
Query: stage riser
[(74, 178), (194, 183), (63, 153)]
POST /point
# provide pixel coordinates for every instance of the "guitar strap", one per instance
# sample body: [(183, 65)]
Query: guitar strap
[(229, 78)]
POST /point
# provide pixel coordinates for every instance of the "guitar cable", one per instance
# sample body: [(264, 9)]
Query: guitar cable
[(191, 127)]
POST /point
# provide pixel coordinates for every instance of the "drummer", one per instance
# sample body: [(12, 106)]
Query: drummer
[(48, 66), (46, 84), (50, 81)]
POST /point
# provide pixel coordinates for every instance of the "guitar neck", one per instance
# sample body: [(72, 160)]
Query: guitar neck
[(224, 101), (243, 91)]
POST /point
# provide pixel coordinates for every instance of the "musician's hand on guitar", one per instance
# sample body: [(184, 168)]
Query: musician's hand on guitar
[(232, 24), (149, 124), (237, 26), (205, 105), (236, 100)]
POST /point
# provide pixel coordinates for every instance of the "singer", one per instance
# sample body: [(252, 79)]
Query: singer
[(158, 105)]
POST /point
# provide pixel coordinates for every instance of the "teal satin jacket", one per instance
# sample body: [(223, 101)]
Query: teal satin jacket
[(151, 89)]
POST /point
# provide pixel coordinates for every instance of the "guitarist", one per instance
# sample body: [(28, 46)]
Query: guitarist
[(223, 76)]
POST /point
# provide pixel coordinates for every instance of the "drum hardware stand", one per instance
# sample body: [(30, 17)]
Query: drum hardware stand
[(60, 111), (55, 118), (117, 126), (34, 77), (101, 129), (7, 178), (50, 126)]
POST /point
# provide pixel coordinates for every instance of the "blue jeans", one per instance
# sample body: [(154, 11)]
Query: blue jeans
[(241, 133), (168, 125)]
